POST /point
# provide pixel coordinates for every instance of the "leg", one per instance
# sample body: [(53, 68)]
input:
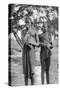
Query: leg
[(31, 74), (26, 68), (47, 62), (42, 61), (26, 80), (42, 69), (26, 74), (47, 76), (32, 79), (31, 65), (42, 75)]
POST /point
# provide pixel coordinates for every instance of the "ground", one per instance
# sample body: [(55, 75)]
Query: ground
[(17, 69)]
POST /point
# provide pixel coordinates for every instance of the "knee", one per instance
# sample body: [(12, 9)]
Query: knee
[(47, 71), (31, 76), (43, 69), (26, 76)]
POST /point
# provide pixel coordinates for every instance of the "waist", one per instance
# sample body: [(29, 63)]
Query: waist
[(26, 46), (31, 40)]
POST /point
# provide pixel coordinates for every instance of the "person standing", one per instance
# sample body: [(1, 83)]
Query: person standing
[(45, 55), (29, 54)]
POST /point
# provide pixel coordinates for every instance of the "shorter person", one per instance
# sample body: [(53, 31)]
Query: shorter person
[(45, 55)]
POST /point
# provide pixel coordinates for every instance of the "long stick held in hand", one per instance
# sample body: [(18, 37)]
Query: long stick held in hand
[(18, 39)]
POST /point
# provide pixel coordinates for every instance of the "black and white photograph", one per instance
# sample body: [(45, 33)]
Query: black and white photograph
[(33, 36)]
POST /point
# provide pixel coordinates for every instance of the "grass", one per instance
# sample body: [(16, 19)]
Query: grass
[(17, 69)]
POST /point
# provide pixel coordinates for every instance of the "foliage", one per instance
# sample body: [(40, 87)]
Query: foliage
[(24, 15)]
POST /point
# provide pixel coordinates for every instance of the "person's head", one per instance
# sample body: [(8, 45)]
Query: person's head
[(36, 24), (43, 28)]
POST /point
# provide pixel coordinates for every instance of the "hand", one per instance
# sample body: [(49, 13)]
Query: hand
[(31, 46), (36, 44), (48, 46), (51, 47)]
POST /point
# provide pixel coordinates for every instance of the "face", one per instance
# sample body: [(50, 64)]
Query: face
[(36, 27), (32, 30)]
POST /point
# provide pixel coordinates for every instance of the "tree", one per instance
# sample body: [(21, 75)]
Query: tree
[(22, 15)]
